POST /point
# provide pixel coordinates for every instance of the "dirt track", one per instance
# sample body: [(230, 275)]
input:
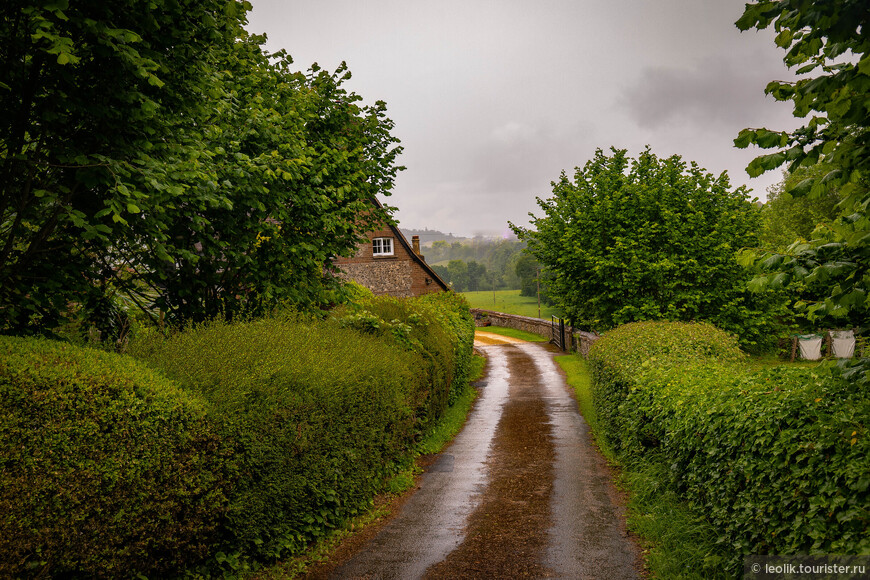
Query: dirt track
[(520, 493)]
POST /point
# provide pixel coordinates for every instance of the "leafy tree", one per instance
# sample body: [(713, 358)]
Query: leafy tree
[(457, 275), (497, 257), (527, 269), (646, 239), (301, 162), (829, 41), (476, 275), (154, 151), (534, 282), (442, 272), (93, 95), (438, 251), (786, 218), (501, 262)]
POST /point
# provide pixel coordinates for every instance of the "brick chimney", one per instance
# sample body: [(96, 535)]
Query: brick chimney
[(415, 244)]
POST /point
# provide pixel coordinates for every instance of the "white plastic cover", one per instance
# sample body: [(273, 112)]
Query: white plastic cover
[(843, 343), (811, 346)]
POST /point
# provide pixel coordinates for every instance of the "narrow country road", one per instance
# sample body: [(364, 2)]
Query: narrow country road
[(520, 493)]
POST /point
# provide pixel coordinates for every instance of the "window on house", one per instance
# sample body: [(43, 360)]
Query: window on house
[(382, 247)]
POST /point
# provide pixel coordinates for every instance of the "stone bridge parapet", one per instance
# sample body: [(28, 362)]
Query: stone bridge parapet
[(581, 340)]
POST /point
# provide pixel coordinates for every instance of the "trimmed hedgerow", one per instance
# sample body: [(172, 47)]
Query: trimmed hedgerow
[(244, 441), (452, 310), (106, 468), (776, 460), (619, 356), (319, 412), (318, 416), (437, 325)]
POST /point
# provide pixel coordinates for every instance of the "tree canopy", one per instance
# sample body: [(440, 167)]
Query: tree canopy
[(787, 218), (829, 44), (155, 152), (646, 239)]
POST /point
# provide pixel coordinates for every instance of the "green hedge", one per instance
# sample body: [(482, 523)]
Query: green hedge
[(619, 356), (437, 325), (776, 460), (105, 467), (452, 310), (237, 441), (319, 413), (317, 417)]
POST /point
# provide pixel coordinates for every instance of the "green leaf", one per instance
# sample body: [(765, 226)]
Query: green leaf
[(744, 138), (757, 284), (784, 38), (767, 139)]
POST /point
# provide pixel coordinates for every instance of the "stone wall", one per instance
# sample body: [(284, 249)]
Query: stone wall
[(580, 340), (391, 277)]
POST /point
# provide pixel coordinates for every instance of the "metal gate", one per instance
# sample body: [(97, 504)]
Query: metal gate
[(557, 332)]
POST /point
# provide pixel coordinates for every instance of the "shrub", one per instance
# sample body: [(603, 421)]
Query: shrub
[(437, 325), (318, 416), (452, 310), (106, 468), (775, 460), (620, 355)]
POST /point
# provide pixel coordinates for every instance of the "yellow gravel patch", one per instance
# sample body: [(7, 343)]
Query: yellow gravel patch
[(481, 337)]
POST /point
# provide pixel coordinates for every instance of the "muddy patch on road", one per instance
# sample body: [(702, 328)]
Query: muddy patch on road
[(506, 536)]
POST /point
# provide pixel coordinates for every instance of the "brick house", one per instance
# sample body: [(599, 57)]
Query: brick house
[(387, 264)]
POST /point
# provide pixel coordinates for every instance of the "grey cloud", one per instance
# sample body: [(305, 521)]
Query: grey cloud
[(526, 157), (718, 90)]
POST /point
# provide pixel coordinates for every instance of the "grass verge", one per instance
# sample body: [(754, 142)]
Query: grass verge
[(514, 333), (433, 442), (579, 378)]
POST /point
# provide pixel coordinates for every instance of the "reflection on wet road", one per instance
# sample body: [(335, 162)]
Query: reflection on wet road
[(585, 537), (431, 523)]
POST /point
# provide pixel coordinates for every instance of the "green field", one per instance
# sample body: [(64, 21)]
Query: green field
[(509, 302), (514, 333)]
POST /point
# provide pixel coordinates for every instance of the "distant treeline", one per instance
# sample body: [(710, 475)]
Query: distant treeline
[(471, 264)]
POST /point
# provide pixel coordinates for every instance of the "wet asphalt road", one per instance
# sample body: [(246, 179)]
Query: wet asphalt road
[(586, 535)]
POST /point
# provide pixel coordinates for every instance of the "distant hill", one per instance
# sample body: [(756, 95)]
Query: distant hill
[(428, 236)]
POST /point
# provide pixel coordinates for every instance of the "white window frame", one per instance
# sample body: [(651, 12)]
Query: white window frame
[(382, 247)]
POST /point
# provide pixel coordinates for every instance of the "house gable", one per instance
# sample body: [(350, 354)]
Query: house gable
[(402, 273)]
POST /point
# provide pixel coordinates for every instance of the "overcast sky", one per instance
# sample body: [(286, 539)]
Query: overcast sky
[(493, 99)]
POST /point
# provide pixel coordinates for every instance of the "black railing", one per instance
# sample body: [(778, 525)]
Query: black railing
[(557, 332)]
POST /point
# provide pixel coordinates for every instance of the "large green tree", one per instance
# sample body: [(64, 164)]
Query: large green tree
[(93, 95), (646, 239), (153, 150), (829, 43)]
